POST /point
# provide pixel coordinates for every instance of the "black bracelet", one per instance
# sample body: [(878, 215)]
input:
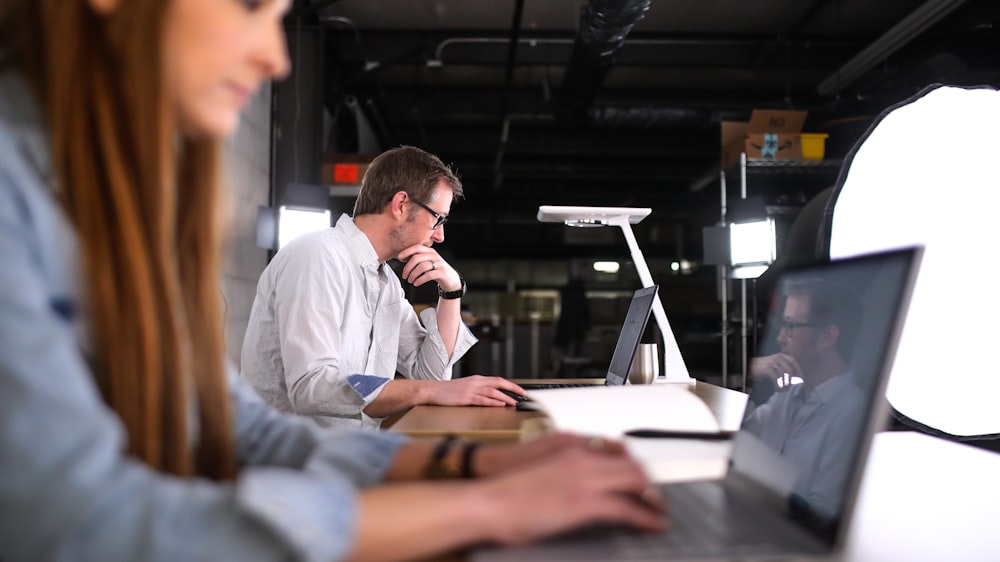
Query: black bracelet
[(438, 466), (470, 448)]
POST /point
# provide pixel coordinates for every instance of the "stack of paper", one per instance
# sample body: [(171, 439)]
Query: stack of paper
[(611, 411)]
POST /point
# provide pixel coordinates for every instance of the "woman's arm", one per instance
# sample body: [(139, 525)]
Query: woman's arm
[(570, 487), (412, 459)]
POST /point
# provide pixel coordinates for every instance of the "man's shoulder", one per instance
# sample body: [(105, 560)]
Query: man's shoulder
[(323, 245)]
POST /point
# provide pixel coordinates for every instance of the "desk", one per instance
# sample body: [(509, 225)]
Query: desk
[(923, 499), (506, 424)]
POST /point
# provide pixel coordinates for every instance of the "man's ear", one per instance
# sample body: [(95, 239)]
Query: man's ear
[(830, 337), (397, 205), (103, 7)]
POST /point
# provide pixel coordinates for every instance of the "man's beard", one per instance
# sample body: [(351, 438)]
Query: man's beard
[(398, 238)]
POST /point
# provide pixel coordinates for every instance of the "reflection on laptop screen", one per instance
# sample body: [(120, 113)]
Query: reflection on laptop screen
[(797, 460), (816, 376), (628, 341)]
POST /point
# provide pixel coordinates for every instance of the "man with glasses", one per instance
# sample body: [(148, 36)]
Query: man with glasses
[(818, 392), (330, 327), (815, 333)]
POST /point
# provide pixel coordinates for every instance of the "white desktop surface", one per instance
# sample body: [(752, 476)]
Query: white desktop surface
[(925, 499)]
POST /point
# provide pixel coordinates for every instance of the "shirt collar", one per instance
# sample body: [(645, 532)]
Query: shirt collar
[(361, 247), (831, 389)]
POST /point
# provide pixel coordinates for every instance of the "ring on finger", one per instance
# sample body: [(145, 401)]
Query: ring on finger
[(651, 496), (433, 265)]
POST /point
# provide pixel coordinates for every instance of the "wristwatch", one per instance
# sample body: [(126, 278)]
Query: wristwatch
[(452, 294)]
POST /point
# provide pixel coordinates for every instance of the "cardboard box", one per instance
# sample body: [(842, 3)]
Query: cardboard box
[(769, 135), (343, 168)]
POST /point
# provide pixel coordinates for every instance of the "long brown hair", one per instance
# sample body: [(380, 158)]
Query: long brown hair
[(146, 205)]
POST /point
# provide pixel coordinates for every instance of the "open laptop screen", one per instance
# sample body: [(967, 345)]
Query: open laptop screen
[(819, 381), (632, 329)]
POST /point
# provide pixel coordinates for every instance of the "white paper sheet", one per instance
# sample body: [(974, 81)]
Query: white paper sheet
[(610, 411)]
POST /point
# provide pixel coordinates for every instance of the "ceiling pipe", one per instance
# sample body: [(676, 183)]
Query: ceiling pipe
[(882, 48), (647, 117), (604, 26), (515, 34)]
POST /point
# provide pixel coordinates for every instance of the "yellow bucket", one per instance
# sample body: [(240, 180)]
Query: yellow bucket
[(813, 145)]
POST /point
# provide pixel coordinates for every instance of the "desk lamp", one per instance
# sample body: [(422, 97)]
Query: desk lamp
[(624, 217)]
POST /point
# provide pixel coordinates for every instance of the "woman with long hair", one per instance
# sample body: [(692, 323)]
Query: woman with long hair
[(123, 433)]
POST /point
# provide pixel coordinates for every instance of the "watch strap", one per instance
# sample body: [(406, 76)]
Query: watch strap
[(452, 294)]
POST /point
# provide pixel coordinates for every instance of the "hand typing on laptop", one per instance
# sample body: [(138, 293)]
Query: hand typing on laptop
[(578, 482)]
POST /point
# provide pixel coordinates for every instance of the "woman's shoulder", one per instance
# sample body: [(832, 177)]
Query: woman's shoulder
[(25, 163)]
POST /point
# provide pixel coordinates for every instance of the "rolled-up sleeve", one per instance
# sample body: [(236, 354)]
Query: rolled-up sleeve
[(422, 355)]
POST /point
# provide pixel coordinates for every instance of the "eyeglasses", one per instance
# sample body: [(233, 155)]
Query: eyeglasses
[(790, 326), (439, 219)]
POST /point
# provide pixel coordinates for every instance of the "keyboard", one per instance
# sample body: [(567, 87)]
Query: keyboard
[(539, 386)]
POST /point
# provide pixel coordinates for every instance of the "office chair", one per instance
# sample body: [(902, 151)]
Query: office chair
[(926, 172)]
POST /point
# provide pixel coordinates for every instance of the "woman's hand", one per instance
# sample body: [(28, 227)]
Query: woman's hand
[(570, 487)]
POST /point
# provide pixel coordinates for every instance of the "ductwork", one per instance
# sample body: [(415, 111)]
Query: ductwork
[(646, 118), (604, 26)]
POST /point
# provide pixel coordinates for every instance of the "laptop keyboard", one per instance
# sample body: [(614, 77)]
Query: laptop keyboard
[(540, 386), (703, 523)]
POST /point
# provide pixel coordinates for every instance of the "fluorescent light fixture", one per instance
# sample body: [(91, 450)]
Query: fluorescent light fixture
[(606, 266), (906, 30), (675, 369), (901, 190), (293, 223)]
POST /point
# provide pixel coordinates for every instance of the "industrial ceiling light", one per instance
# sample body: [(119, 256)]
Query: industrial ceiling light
[(675, 370)]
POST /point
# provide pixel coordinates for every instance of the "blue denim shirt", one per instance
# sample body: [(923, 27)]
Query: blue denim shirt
[(67, 488)]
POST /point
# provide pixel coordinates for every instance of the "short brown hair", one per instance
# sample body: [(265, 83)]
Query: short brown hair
[(408, 169)]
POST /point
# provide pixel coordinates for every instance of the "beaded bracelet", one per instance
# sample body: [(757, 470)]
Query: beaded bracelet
[(470, 448), (438, 466)]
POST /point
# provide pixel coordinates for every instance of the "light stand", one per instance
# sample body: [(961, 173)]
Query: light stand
[(675, 370)]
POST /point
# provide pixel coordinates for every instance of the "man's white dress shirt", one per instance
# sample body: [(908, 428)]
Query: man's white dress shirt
[(330, 326)]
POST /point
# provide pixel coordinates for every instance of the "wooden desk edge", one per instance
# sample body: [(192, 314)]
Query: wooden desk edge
[(726, 404)]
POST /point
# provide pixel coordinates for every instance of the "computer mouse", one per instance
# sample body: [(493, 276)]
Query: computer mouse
[(514, 395)]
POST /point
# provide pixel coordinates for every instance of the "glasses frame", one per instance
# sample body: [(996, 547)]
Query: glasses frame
[(439, 219), (789, 326)]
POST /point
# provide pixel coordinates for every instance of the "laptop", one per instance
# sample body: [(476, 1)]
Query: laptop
[(790, 488), (628, 342)]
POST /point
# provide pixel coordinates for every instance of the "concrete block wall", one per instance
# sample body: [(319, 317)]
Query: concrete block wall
[(247, 171)]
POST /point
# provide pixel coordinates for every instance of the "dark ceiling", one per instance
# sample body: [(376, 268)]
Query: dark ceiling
[(618, 103)]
